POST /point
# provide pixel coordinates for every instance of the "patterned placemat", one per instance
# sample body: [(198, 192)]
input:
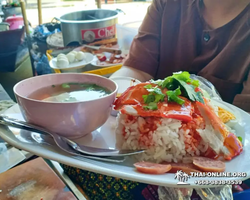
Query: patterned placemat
[(5, 104)]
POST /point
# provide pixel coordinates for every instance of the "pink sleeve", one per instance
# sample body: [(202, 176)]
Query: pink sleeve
[(144, 51)]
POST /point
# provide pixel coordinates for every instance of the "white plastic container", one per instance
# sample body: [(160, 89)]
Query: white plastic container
[(126, 33)]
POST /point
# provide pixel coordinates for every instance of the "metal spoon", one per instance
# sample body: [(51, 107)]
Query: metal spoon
[(63, 142), (101, 152), (57, 139)]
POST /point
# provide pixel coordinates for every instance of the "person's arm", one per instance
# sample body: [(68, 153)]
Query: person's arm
[(145, 49), (133, 73), (243, 100)]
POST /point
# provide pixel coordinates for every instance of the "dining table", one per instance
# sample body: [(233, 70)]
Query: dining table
[(54, 165)]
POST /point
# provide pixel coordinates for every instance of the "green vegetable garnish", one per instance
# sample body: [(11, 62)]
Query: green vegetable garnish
[(148, 98), (159, 97), (178, 84), (65, 85), (171, 86), (155, 90), (155, 94), (148, 86), (53, 86), (173, 96), (151, 106), (152, 89), (168, 82), (186, 84), (240, 139), (157, 82), (185, 76), (190, 92), (195, 83)]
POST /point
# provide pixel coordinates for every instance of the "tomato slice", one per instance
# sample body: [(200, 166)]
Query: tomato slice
[(209, 165), (152, 168)]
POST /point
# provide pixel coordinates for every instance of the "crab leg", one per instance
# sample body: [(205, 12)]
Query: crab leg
[(229, 144)]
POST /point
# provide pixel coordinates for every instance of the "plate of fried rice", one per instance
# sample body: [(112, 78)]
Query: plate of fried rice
[(181, 130)]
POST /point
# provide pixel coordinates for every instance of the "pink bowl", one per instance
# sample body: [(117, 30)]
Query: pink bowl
[(72, 120)]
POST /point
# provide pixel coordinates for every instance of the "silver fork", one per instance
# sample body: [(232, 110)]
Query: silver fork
[(61, 141)]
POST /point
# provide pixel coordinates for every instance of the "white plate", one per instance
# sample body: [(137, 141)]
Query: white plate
[(75, 65), (124, 83), (97, 63), (105, 137)]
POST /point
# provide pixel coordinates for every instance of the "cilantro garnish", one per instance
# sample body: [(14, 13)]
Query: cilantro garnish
[(157, 82), (191, 93), (148, 86), (155, 95), (159, 97), (155, 90), (173, 96), (65, 85), (148, 98), (178, 84), (151, 106), (195, 83), (168, 83), (187, 86), (185, 76), (240, 139)]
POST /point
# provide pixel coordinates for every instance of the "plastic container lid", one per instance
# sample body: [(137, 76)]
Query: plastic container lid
[(14, 18)]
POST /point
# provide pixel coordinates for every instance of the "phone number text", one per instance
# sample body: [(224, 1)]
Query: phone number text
[(218, 182)]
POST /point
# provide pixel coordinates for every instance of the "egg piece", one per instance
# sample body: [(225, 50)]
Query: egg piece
[(225, 115), (74, 52), (71, 57), (61, 55), (80, 56), (62, 62)]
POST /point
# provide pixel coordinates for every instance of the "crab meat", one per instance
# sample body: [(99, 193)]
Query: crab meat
[(220, 140)]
